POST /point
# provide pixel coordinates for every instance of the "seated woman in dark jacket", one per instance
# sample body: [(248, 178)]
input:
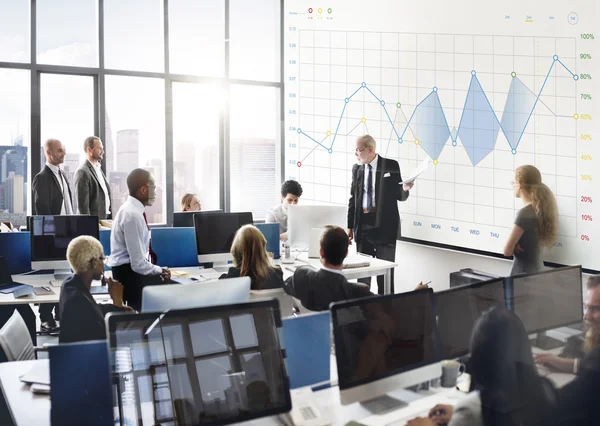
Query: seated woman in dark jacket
[(250, 259), (81, 317)]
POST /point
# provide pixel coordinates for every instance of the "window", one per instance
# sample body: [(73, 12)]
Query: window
[(135, 137), (14, 145), (196, 110), (255, 148), (254, 48), (134, 35), (67, 32), (67, 114), (14, 31), (197, 37)]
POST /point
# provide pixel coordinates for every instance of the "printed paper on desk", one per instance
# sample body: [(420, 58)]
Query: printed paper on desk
[(416, 172)]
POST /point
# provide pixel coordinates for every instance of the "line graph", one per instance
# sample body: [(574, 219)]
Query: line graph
[(479, 124)]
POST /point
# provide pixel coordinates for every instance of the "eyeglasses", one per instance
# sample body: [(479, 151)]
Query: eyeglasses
[(592, 309)]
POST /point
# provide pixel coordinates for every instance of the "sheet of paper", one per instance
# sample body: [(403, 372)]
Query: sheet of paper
[(416, 172)]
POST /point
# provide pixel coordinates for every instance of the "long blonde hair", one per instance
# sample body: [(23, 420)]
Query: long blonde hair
[(249, 251), (543, 202)]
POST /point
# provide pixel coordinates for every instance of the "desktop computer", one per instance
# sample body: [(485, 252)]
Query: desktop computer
[(205, 366), (548, 300), (157, 298), (186, 219), (457, 311), (302, 219), (50, 237), (383, 344), (215, 233)]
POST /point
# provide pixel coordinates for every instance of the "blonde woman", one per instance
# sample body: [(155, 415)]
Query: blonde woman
[(250, 259), (536, 224), (190, 203)]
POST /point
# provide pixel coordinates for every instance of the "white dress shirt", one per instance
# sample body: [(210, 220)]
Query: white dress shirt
[(335, 271), (366, 171), (98, 170), (130, 239), (67, 205)]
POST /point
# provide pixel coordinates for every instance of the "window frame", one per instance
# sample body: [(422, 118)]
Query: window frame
[(99, 74)]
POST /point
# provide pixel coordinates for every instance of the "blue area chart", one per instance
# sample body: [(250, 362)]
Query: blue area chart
[(479, 125)]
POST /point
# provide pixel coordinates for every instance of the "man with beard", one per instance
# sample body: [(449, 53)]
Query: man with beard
[(91, 186)]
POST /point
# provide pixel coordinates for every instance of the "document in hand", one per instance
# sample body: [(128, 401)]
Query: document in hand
[(416, 172)]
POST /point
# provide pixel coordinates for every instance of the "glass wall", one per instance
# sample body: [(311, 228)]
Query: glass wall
[(178, 87)]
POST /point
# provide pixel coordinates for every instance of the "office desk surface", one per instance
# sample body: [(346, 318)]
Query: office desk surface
[(38, 281)]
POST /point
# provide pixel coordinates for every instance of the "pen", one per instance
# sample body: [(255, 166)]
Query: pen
[(45, 288)]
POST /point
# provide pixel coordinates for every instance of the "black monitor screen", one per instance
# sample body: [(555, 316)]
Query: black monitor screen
[(549, 299), (378, 337), (213, 365), (50, 235), (186, 219), (215, 232), (457, 310)]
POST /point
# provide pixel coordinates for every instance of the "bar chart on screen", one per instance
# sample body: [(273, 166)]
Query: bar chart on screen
[(478, 93)]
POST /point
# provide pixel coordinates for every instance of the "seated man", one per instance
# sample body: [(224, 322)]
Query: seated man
[(290, 193), (82, 318), (131, 258), (317, 289), (591, 308)]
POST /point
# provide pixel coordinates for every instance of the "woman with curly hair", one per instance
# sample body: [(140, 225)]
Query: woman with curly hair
[(536, 224)]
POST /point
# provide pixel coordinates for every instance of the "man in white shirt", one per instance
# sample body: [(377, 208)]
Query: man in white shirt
[(91, 186), (51, 196), (132, 260), (290, 193)]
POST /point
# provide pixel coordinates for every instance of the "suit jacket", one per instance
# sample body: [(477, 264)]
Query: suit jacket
[(81, 318), (387, 193), (272, 281), (47, 193), (317, 289), (90, 196)]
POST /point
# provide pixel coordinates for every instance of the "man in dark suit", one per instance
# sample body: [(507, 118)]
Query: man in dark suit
[(373, 219), (91, 186), (317, 289), (51, 196)]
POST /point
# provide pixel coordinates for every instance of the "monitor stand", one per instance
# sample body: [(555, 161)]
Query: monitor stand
[(62, 274), (383, 404), (545, 342), (222, 266)]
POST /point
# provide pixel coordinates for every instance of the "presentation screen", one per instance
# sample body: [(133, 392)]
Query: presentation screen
[(477, 88)]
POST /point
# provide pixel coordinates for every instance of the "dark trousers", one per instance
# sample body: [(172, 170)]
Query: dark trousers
[(367, 243), (133, 284), (46, 312)]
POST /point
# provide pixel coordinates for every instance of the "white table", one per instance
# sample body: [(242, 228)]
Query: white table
[(27, 409)]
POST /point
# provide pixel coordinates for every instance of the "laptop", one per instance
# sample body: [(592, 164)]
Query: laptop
[(7, 285)]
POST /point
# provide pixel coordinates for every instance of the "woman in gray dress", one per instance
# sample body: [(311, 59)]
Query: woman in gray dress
[(536, 224)]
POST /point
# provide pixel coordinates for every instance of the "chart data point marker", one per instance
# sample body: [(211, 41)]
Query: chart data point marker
[(575, 77), (330, 150), (555, 57), (473, 73), (514, 151), (513, 74), (382, 103), (398, 104), (364, 120), (435, 162), (454, 143), (435, 89), (299, 130), (299, 164), (346, 100), (576, 116), (400, 140), (328, 132), (363, 84), (417, 141)]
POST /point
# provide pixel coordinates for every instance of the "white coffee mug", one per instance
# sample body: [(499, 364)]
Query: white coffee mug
[(451, 371)]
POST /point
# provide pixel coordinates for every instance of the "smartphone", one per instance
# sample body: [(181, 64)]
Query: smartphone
[(40, 389)]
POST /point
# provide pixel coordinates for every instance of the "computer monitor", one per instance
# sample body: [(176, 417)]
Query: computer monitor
[(303, 218), (548, 300), (51, 235), (196, 295), (384, 343), (457, 311), (186, 219), (212, 365), (215, 232)]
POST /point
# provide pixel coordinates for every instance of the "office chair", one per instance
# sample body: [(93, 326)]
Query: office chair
[(15, 340), (286, 302)]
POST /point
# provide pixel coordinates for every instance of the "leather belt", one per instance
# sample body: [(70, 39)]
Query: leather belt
[(367, 211)]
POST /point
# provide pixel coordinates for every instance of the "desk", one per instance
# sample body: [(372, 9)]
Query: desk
[(377, 267)]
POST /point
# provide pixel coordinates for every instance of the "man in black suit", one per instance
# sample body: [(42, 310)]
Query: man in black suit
[(373, 219), (317, 289), (91, 186), (51, 196)]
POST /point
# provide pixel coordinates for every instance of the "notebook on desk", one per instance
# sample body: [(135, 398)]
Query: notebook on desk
[(356, 262)]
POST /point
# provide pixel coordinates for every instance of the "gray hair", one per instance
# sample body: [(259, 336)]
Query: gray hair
[(368, 141)]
